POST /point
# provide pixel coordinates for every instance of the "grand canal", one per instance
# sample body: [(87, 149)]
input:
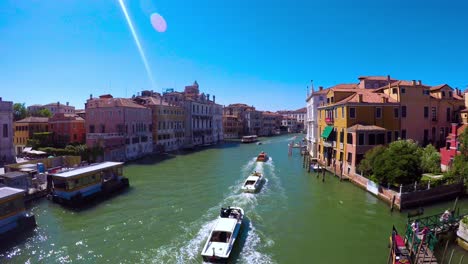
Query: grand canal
[(166, 215)]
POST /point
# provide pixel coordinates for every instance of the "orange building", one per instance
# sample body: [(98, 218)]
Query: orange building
[(67, 128), (24, 130)]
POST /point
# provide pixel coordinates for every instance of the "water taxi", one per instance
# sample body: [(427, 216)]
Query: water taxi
[(262, 157), (13, 216), (222, 237), (76, 186), (249, 139), (253, 182), (399, 252)]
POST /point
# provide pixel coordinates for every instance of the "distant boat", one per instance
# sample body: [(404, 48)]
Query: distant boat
[(259, 143), (253, 183), (262, 157), (222, 237), (249, 139)]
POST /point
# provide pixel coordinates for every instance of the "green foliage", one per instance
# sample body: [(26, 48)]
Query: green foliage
[(430, 159), (434, 181), (459, 169), (367, 164), (41, 140), (19, 111), (44, 112), (465, 220), (399, 163), (88, 154)]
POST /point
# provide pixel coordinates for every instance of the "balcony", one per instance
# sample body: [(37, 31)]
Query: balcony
[(329, 120)]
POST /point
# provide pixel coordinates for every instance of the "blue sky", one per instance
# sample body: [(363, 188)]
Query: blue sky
[(263, 53)]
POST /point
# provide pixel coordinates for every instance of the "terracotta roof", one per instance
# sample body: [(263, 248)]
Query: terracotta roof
[(55, 104), (359, 127), (368, 97), (34, 119), (301, 110), (376, 78), (344, 86), (113, 102), (438, 87)]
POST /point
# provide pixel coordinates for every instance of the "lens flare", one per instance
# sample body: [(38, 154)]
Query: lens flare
[(137, 42), (158, 22)]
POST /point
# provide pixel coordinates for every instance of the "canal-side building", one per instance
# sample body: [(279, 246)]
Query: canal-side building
[(299, 115), (203, 115), (232, 127), (352, 121), (7, 153), (168, 122), (426, 112), (254, 122), (25, 130), (54, 108), (271, 123), (67, 128), (452, 145), (119, 126), (313, 100)]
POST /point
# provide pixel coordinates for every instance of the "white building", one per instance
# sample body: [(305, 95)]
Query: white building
[(314, 99), (6, 133)]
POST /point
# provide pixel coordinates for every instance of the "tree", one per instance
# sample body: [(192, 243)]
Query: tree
[(367, 164), (430, 159), (19, 111), (44, 112), (400, 163)]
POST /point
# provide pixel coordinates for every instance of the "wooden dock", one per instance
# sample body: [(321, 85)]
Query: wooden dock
[(425, 256)]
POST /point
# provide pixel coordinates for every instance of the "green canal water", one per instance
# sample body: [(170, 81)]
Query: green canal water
[(166, 215)]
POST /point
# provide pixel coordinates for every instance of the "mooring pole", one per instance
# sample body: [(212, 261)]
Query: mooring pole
[(445, 250)]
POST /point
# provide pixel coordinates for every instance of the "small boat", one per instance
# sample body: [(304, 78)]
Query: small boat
[(259, 143), (253, 182), (399, 252), (262, 157), (249, 139), (222, 237)]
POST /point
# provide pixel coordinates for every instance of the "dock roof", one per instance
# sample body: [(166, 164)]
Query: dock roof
[(14, 174), (6, 192), (90, 168)]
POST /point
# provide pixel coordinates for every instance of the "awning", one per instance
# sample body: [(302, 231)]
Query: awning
[(327, 131)]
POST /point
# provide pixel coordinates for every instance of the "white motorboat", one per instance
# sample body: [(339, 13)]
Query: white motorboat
[(222, 237), (253, 182)]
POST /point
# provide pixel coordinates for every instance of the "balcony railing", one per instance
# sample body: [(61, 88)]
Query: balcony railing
[(103, 135)]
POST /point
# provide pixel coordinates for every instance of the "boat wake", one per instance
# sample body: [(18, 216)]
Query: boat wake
[(186, 247)]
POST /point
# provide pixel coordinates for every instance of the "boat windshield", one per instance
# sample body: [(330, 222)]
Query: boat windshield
[(249, 183), (220, 236)]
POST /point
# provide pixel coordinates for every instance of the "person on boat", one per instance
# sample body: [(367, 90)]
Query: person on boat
[(415, 226), (445, 216)]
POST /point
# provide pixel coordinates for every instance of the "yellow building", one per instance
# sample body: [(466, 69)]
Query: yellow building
[(24, 130), (353, 120), (168, 122)]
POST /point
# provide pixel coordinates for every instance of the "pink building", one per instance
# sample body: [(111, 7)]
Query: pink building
[(452, 146), (120, 126)]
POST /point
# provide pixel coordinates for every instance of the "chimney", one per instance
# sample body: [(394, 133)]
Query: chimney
[(68, 103), (414, 82), (208, 97), (384, 100), (419, 82), (58, 103), (90, 96), (0, 99), (388, 78), (359, 98), (320, 88), (214, 99)]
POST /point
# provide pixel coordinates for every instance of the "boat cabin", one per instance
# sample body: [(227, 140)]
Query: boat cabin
[(12, 209), (87, 180), (17, 179)]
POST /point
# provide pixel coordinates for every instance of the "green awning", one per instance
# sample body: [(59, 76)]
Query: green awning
[(327, 131)]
